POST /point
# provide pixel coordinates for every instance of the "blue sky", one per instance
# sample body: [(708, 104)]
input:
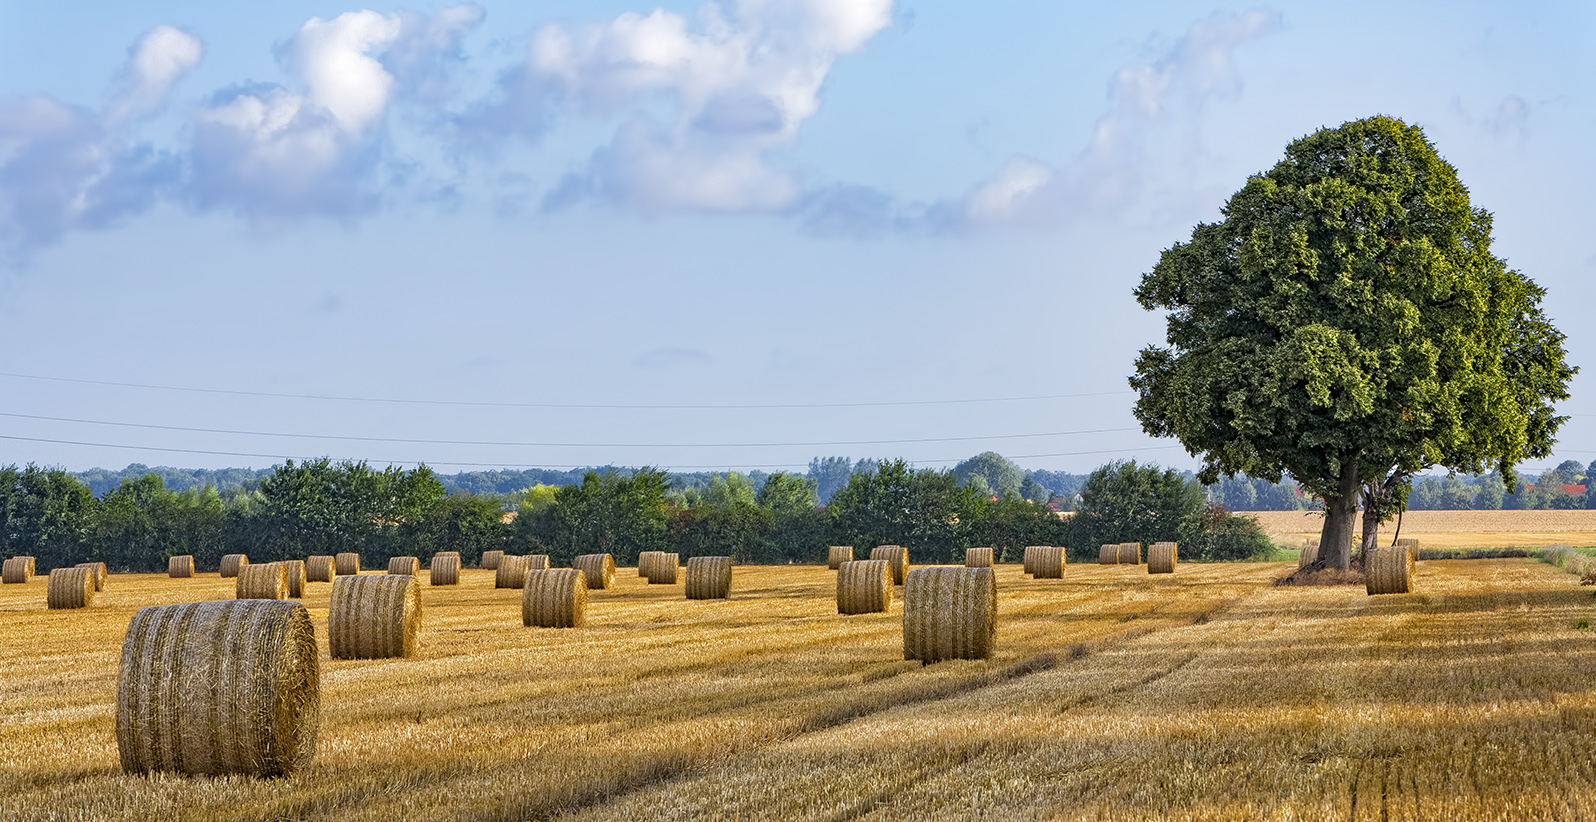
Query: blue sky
[(552, 225)]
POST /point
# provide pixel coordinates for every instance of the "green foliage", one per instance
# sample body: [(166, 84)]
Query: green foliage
[(830, 474), (609, 512), (45, 514), (998, 475), (788, 494), (321, 508), (1126, 502), (897, 505)]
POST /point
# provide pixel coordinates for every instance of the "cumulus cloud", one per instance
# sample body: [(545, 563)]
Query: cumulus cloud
[(738, 81), (159, 59)]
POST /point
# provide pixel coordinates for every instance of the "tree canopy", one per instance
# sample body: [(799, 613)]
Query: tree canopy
[(1346, 323)]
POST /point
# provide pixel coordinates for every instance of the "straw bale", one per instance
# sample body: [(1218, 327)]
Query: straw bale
[(445, 569), (222, 687), (554, 598), (1388, 569), (70, 588), (297, 578), (1108, 555), (32, 570), (231, 563), (1310, 553), (1047, 561), (490, 560), (374, 617), (1130, 553), (662, 569), (347, 564), (510, 573), (102, 575), (265, 581), (537, 562), (949, 613), (320, 568), (14, 570), (978, 557), (864, 586), (1161, 557), (406, 566), (180, 566), (599, 569), (839, 554), (643, 559), (895, 554), (709, 577), (1411, 543)]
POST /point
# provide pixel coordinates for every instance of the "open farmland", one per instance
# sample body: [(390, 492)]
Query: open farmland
[(1452, 529), (1209, 694)]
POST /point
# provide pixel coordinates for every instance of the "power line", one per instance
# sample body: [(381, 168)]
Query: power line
[(561, 444), (583, 406)]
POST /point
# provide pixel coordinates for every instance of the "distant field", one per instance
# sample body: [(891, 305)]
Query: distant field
[(1206, 695), (1455, 529)]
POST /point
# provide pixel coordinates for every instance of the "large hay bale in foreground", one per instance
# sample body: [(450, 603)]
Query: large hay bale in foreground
[(599, 569), (1108, 555), (347, 564), (1310, 553), (404, 566), (102, 574), (70, 588), (864, 586), (266, 581), (1130, 553), (643, 560), (1161, 558), (297, 577), (445, 569), (709, 577), (1388, 569), (320, 568), (838, 555), (374, 617), (1047, 561), (897, 555), (662, 569), (231, 563), (510, 573), (537, 562), (949, 613), (14, 571), (554, 598), (978, 557), (180, 566), (490, 560), (213, 688)]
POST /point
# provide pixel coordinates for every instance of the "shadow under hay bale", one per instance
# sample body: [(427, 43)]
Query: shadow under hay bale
[(709, 577), (180, 566), (554, 598), (347, 564), (374, 617), (265, 581), (838, 555), (320, 568), (662, 570), (445, 569), (1161, 557), (1047, 561), (978, 558), (949, 613), (70, 588), (404, 566), (898, 556), (231, 563), (213, 688), (864, 586)]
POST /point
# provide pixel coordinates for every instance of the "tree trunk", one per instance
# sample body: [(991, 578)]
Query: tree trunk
[(1341, 512)]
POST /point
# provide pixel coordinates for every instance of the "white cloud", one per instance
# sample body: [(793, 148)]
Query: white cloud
[(159, 59)]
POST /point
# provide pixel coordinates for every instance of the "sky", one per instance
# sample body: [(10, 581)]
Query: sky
[(713, 236)]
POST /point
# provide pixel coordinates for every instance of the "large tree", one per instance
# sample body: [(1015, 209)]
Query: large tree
[(1346, 323)]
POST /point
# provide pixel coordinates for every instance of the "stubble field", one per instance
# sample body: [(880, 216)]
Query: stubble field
[(1209, 694), (1452, 529)]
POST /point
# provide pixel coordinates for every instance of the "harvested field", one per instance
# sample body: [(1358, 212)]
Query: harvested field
[(1451, 529), (1111, 694)]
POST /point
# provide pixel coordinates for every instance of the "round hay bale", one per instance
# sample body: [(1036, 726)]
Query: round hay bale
[(839, 554), (231, 563), (70, 588), (1047, 561), (405, 566), (102, 575), (978, 557), (347, 564), (32, 570), (895, 554), (1411, 543), (1028, 560), (1388, 569), (600, 569), (14, 570), (1161, 558), (709, 577), (1310, 553), (864, 586), (295, 570), (320, 568), (374, 617), (265, 581), (1130, 553), (662, 569), (554, 598), (511, 572), (223, 687), (643, 559), (490, 560), (537, 562), (1108, 555), (949, 613), (180, 566), (445, 569)]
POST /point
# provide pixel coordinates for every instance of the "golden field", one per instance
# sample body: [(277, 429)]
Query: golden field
[(1210, 694), (1452, 529)]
